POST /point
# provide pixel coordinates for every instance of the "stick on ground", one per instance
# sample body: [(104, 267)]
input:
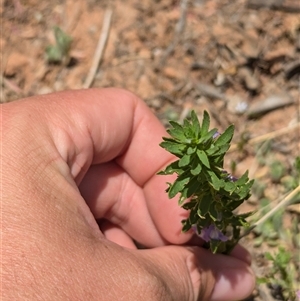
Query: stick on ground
[(99, 50)]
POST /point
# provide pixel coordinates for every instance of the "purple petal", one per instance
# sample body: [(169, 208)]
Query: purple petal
[(216, 135), (212, 233)]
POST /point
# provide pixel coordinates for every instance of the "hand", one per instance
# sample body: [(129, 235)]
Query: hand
[(72, 158)]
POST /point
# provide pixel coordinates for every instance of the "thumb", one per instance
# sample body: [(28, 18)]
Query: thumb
[(193, 273)]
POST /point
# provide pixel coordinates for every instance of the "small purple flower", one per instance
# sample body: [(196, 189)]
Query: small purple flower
[(232, 178), (229, 176), (298, 294), (216, 135), (212, 233)]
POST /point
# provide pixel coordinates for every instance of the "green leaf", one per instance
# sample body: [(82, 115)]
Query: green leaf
[(53, 54), (63, 41), (225, 137), (202, 223), (297, 164), (205, 123), (262, 280), (179, 184), (214, 180), (56, 53), (204, 206), (184, 161), (246, 215), (213, 213), (203, 158), (193, 218), (173, 147), (196, 168), (192, 187), (215, 245), (221, 150), (205, 139), (243, 179), (229, 186), (191, 150), (177, 132), (186, 225), (190, 204), (269, 256), (195, 124), (170, 169), (188, 129)]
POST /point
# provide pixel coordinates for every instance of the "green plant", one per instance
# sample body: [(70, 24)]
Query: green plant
[(60, 51), (281, 277), (277, 170), (270, 230), (208, 191)]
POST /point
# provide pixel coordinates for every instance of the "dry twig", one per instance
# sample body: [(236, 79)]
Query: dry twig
[(99, 50), (280, 205), (267, 136)]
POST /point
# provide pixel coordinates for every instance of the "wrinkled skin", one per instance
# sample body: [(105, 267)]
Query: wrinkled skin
[(71, 158)]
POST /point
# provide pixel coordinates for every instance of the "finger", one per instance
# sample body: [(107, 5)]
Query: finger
[(112, 195), (212, 277), (241, 253), (110, 123), (116, 235), (96, 126)]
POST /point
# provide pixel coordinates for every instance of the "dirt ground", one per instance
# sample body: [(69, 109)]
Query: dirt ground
[(240, 60)]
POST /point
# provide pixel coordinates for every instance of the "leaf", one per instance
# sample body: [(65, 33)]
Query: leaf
[(221, 150), (53, 54), (189, 205), (203, 158), (188, 129), (193, 218), (179, 184), (56, 53), (196, 168), (173, 147), (192, 187), (225, 137), (269, 256), (205, 123), (170, 169), (186, 225), (184, 161), (297, 164), (246, 215), (177, 132), (204, 206), (63, 41), (243, 179), (215, 246), (208, 137), (261, 280), (229, 186), (191, 150), (195, 124), (213, 213), (214, 180)]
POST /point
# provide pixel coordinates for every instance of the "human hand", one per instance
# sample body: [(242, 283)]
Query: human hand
[(71, 158)]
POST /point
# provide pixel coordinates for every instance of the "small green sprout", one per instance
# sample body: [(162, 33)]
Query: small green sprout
[(59, 52), (277, 170), (206, 190)]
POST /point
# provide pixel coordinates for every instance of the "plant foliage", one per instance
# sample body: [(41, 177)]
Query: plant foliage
[(209, 192)]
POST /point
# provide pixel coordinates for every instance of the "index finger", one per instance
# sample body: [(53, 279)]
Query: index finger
[(113, 124)]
